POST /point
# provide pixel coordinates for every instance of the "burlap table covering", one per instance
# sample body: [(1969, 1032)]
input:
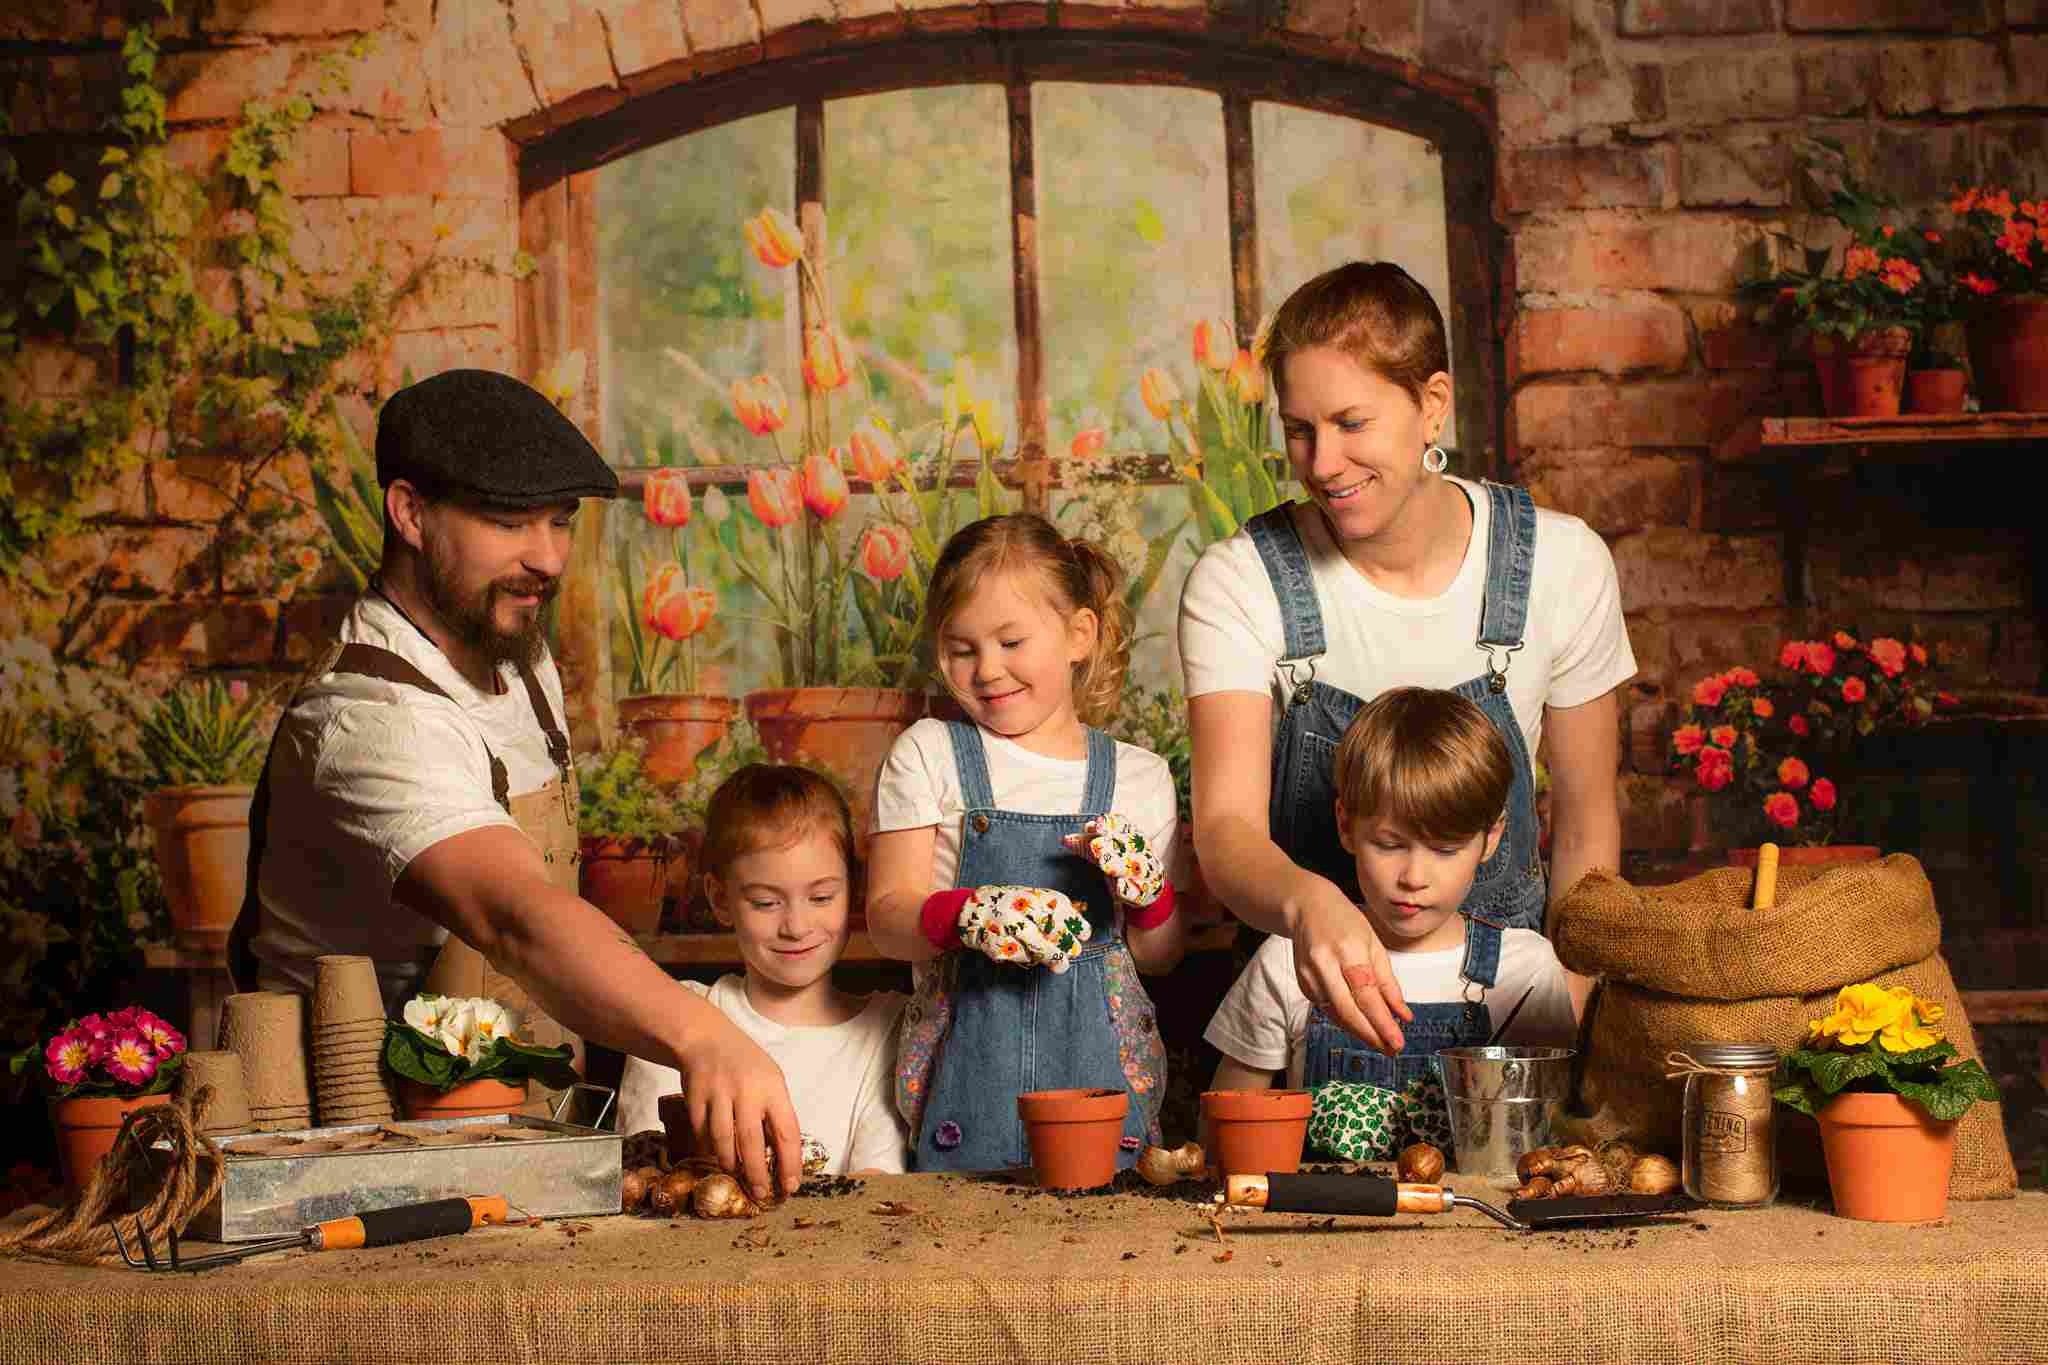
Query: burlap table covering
[(979, 1272)]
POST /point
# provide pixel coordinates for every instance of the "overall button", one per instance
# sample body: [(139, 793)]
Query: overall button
[(981, 824)]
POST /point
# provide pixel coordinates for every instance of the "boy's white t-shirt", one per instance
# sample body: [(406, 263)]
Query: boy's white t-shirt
[(841, 1078), (1263, 1020), (919, 785), (1576, 644)]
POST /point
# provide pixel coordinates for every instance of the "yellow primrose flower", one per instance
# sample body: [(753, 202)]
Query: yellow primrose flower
[(1867, 1010), (1906, 1036), (1930, 1011)]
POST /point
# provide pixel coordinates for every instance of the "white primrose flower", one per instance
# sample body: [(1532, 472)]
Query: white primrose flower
[(492, 1022), (424, 1012), (457, 1024)]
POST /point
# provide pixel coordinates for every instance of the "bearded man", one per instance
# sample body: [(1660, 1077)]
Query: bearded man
[(418, 806)]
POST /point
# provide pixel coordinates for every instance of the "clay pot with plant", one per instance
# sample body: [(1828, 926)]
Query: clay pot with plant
[(457, 1058), (2003, 275), (96, 1071), (1936, 383), (629, 845), (204, 743)]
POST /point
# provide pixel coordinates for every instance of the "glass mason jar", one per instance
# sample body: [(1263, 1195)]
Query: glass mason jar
[(1730, 1152)]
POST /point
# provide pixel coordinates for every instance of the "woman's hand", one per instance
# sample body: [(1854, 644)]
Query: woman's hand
[(1342, 966)]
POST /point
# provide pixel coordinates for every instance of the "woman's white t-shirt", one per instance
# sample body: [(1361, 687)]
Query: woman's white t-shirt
[(841, 1077), (1576, 645), (919, 785), (1263, 1020)]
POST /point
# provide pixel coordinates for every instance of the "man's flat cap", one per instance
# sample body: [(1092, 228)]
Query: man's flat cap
[(483, 435)]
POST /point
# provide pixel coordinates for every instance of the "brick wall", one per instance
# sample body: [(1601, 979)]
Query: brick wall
[(1644, 148)]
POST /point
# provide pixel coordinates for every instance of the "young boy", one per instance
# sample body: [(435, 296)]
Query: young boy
[(779, 868), (1422, 779)]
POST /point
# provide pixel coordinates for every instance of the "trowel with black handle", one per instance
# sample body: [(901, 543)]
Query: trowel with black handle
[(1375, 1197)]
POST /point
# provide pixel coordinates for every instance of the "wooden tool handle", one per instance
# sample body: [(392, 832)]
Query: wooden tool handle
[(408, 1223), (1766, 877)]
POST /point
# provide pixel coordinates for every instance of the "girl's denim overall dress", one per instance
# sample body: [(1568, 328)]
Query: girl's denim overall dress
[(1508, 890), (1014, 1030)]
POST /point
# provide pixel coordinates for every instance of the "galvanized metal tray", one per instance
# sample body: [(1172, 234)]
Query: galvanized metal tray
[(572, 1173)]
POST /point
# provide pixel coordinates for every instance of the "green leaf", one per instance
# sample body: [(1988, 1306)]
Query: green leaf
[(1155, 561)]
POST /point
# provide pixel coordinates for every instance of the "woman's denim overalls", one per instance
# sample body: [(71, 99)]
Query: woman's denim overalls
[(1014, 1029), (1508, 890)]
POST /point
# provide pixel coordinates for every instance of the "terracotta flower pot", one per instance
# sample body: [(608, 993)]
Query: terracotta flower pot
[(464, 1101), (2009, 354), (1864, 376), (1073, 1135), (1888, 1162), (845, 731), (202, 853), (1935, 392), (1256, 1132), (1824, 855), (86, 1129), (628, 880), (676, 727)]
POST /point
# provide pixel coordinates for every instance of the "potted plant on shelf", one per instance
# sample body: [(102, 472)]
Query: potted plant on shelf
[(629, 845), (459, 1057), (1936, 383), (2003, 269), (1886, 1088), (203, 743), (98, 1070), (1764, 751)]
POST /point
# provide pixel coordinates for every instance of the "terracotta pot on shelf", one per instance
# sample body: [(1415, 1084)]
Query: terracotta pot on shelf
[(1864, 376), (463, 1101), (845, 731), (1256, 1132), (2009, 354), (202, 853), (1822, 855), (1073, 1135), (86, 1129), (1888, 1161), (676, 727), (1938, 393), (628, 879)]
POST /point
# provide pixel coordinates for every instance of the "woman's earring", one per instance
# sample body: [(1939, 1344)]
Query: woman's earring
[(1434, 460)]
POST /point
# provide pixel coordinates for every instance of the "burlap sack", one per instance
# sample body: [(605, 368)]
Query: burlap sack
[(1691, 962)]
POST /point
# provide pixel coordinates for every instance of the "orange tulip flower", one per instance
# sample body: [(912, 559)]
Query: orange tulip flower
[(824, 485), (874, 452), (775, 239), (674, 609), (884, 553), (667, 497), (760, 404), (772, 494), (1247, 378), (1159, 391), (1089, 443), (1215, 344), (825, 352)]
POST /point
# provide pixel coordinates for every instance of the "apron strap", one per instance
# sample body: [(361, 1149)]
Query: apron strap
[(558, 743)]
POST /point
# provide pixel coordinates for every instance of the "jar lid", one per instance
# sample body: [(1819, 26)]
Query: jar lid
[(1735, 1056)]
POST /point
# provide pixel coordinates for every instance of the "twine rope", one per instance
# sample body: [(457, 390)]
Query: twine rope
[(1684, 1064)]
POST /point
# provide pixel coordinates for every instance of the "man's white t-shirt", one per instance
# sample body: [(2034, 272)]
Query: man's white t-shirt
[(1576, 644), (1263, 1020), (841, 1078), (919, 785), (365, 776)]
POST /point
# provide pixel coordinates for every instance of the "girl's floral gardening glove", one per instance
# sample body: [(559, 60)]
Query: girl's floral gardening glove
[(1022, 925), (1125, 855)]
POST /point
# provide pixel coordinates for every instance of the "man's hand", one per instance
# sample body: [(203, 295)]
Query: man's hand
[(1125, 856), (739, 1109), (1023, 925), (1342, 966)]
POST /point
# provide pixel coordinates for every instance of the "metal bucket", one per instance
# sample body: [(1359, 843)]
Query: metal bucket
[(1503, 1102)]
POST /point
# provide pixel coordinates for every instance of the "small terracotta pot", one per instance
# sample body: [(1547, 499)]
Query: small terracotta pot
[(676, 727), (1935, 392), (1073, 1135), (1256, 1132), (1888, 1161), (464, 1101), (1822, 855), (628, 880), (1865, 376), (202, 852), (86, 1129)]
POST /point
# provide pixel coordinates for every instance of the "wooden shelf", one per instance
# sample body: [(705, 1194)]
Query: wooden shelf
[(1757, 435)]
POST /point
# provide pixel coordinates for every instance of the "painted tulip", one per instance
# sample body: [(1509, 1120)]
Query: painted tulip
[(772, 493), (717, 506), (1089, 443), (825, 364), (1247, 378), (884, 553), (674, 609), (760, 404), (775, 239), (873, 451), (1215, 344), (1159, 391), (667, 496), (824, 485)]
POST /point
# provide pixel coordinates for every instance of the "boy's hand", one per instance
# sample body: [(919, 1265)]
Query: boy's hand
[(1023, 925), (1125, 856)]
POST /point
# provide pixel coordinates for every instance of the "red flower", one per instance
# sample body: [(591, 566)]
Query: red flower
[(1798, 726), (1742, 677), (1782, 808), (1723, 735), (1889, 655), (1977, 284), (1715, 769), (1919, 653), (1820, 659), (1687, 739), (1946, 698), (884, 553), (130, 1058), (1792, 655), (1763, 708), (667, 497), (672, 608), (1822, 794), (67, 1057), (772, 493), (1707, 691), (1089, 443), (1853, 689), (824, 485), (1844, 640), (1793, 773)]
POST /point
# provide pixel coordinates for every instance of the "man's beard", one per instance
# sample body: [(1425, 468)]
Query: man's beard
[(472, 619)]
